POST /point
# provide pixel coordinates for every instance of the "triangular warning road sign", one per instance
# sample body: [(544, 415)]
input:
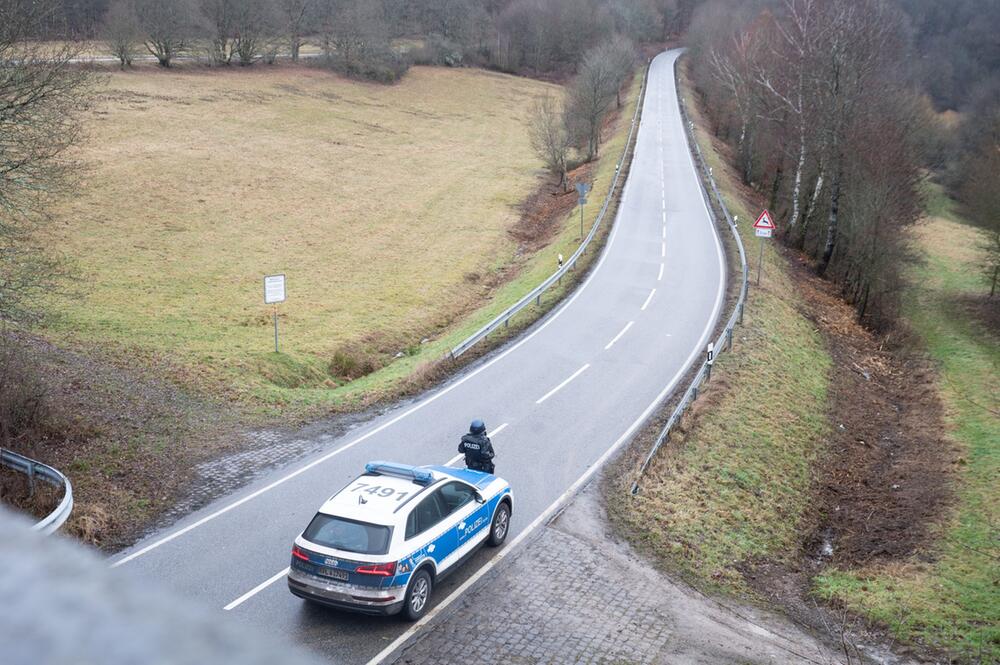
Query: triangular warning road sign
[(764, 221)]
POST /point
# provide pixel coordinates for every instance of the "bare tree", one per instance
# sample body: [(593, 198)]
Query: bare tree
[(785, 78), (121, 31), (254, 27), (296, 15), (220, 18), (167, 27), (589, 99), (732, 66), (41, 96), (549, 137), (620, 52)]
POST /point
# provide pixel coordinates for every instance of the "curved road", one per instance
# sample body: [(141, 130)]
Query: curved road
[(558, 402)]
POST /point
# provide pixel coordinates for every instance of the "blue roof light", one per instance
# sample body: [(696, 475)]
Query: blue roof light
[(417, 475)]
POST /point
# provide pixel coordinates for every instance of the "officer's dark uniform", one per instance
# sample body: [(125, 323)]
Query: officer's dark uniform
[(478, 450)]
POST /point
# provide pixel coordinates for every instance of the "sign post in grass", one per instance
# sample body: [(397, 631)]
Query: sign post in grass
[(274, 292)]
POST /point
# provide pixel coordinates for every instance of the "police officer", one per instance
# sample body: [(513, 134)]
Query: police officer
[(478, 448)]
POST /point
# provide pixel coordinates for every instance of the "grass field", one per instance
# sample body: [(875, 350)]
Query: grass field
[(949, 599), (386, 207), (734, 483)]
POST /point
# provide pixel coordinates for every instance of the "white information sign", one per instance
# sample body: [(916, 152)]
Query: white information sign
[(764, 233), (274, 289)]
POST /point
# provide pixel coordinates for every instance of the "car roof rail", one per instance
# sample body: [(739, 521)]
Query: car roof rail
[(406, 471)]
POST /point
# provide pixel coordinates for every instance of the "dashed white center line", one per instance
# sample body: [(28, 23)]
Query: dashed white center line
[(664, 216), (562, 385), (663, 249), (664, 233), (648, 298), (619, 335), (660, 276), (257, 589)]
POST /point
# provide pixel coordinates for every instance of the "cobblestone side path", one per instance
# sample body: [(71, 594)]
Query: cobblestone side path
[(573, 595)]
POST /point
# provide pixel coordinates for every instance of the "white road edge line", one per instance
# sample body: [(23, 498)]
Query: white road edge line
[(444, 391), (558, 503), (660, 276), (257, 589), (648, 298), (563, 384), (263, 585), (619, 335)]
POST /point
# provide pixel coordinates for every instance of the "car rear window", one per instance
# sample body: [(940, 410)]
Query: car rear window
[(348, 535)]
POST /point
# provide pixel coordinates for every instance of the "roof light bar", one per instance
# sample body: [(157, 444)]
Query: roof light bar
[(417, 475)]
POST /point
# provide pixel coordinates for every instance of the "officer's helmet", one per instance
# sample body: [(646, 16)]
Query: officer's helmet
[(477, 427)]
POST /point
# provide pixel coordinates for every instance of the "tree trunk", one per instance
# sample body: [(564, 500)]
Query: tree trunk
[(831, 226), (797, 188), (810, 210), (779, 175), (296, 45), (993, 286), (746, 153)]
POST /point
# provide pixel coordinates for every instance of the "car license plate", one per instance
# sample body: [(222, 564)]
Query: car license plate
[(334, 573)]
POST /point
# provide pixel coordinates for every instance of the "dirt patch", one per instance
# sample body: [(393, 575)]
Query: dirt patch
[(884, 480), (545, 208)]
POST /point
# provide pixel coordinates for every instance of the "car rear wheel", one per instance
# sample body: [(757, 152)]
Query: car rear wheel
[(500, 525), (418, 596)]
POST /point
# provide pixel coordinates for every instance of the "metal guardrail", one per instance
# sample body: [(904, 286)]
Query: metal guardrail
[(52, 476), (725, 341), (536, 294)]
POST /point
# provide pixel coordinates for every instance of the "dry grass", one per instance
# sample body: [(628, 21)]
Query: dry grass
[(378, 203)]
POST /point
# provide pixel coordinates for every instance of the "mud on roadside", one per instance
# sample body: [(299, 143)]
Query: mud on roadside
[(885, 479)]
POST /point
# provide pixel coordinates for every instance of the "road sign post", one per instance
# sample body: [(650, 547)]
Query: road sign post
[(764, 228), (274, 292)]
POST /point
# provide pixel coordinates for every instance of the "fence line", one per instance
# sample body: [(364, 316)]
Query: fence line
[(536, 294), (725, 340)]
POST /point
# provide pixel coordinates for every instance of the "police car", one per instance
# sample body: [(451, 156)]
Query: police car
[(380, 545)]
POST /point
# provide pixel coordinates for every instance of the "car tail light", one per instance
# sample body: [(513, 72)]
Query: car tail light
[(380, 569), (299, 554)]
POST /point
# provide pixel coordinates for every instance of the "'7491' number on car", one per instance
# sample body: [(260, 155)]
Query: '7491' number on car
[(378, 490)]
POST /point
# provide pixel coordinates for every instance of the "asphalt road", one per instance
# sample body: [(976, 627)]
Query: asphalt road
[(574, 387)]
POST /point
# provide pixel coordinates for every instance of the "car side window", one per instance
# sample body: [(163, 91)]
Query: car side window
[(428, 512), (456, 495)]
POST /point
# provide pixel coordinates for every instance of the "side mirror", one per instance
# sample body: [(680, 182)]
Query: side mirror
[(479, 498)]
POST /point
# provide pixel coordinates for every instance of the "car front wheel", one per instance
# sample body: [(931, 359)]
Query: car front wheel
[(418, 596), (500, 525)]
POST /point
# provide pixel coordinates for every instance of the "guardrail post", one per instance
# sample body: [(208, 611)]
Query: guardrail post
[(729, 339), (538, 300), (31, 479), (741, 314)]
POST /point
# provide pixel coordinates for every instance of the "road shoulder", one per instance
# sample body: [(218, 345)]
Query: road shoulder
[(577, 594)]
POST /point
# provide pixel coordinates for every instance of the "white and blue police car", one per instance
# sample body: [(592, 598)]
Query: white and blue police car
[(380, 545)]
